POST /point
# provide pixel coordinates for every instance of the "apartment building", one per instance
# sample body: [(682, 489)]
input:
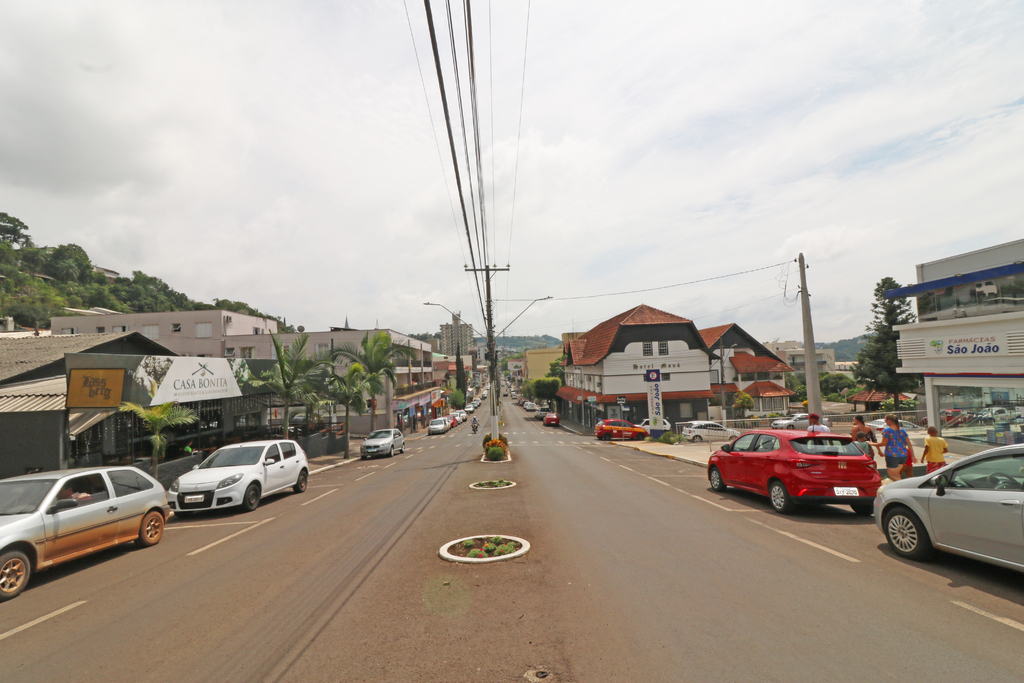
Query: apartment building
[(456, 336), (792, 354), (209, 333)]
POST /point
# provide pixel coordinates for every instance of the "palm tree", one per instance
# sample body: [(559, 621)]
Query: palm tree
[(349, 390), (377, 356), (156, 419), (293, 377)]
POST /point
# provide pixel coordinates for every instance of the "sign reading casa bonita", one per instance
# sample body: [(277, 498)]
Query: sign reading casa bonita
[(188, 379), (988, 344)]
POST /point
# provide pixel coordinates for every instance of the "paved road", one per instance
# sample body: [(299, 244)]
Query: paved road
[(638, 570)]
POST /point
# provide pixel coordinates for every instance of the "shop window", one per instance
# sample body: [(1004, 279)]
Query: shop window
[(151, 331), (204, 330), (648, 348), (663, 348)]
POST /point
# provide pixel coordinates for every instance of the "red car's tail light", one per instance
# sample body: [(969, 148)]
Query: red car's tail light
[(871, 465), (800, 463)]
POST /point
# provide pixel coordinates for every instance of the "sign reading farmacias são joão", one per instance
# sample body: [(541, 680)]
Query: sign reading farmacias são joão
[(988, 344), (655, 405)]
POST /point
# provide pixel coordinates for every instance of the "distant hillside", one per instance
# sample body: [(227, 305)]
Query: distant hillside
[(521, 343), (846, 349)]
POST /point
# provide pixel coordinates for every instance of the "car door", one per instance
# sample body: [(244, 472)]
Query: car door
[(399, 441), (759, 461), (292, 466), (734, 461), (274, 465), (982, 508), (132, 493), (90, 525)]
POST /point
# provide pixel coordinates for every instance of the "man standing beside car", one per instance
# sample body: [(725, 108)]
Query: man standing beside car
[(813, 424)]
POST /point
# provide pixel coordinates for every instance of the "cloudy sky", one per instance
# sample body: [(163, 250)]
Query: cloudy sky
[(282, 153)]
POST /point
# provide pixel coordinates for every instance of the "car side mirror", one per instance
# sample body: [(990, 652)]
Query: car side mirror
[(727, 447), (941, 482), (195, 467), (65, 504), (270, 461)]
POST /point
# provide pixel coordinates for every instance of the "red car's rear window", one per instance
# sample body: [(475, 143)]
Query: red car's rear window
[(825, 445)]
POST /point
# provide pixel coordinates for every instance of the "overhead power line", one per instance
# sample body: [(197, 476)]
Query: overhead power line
[(655, 289)]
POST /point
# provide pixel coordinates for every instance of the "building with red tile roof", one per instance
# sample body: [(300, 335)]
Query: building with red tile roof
[(748, 367)]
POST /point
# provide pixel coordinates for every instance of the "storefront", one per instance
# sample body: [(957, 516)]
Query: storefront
[(969, 345), (412, 412)]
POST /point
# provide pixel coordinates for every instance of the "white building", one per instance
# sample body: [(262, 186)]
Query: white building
[(969, 343), (792, 354), (744, 364), (456, 336)]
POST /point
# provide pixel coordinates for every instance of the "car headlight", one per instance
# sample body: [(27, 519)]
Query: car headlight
[(233, 479), (174, 486)]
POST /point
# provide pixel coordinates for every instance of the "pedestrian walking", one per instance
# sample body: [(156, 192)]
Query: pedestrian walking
[(860, 428), (896, 447), (861, 442), (814, 425), (935, 448)]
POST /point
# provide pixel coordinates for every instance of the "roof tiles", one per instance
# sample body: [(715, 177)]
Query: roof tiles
[(593, 346)]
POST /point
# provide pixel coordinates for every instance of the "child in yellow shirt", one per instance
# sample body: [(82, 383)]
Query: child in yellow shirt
[(935, 447)]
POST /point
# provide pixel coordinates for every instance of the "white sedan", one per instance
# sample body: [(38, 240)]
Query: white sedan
[(708, 431), (879, 425), (438, 425)]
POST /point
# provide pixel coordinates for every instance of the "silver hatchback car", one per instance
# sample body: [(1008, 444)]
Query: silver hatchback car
[(974, 507), (52, 517), (382, 442)]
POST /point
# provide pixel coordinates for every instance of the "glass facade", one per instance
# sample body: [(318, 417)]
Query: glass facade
[(986, 297), (982, 414)]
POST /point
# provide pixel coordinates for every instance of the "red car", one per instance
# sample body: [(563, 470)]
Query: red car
[(796, 467), (454, 422), (551, 419), (618, 429)]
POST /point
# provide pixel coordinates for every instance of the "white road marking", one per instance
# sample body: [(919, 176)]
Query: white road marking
[(626, 468), (40, 620), (1002, 620), (804, 540), (409, 456), (318, 497), (387, 466), (662, 482), (365, 476), (204, 526), (600, 456), (228, 538)]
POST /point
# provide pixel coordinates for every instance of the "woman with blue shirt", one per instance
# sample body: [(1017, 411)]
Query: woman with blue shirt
[(896, 447)]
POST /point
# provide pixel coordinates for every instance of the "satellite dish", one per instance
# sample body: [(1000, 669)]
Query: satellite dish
[(301, 329)]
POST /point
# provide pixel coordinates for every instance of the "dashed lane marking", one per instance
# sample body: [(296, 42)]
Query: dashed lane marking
[(319, 497), (387, 466), (365, 476), (804, 540), (409, 456), (228, 538), (206, 526), (1002, 620), (627, 468), (41, 619)]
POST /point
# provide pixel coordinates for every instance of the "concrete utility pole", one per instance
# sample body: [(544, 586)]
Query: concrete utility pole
[(810, 353), (492, 350)]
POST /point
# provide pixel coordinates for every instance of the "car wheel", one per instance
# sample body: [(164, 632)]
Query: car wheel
[(362, 457), (863, 510), (696, 438), (790, 426), (906, 534), (637, 437), (403, 448), (780, 498), (717, 483), (391, 452), (15, 571), (151, 530), (301, 482), (251, 499)]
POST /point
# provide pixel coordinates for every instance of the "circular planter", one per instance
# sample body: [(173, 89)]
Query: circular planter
[(445, 555), (491, 488), (508, 458)]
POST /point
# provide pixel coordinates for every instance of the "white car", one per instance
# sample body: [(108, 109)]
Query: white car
[(471, 408), (879, 425), (463, 416), (708, 431), (646, 425), (529, 406), (240, 474), (438, 425), (798, 421)]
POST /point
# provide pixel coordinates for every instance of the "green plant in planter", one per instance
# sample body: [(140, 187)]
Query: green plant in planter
[(489, 548), (476, 553), (501, 437), (667, 437), (496, 540), (495, 453), (468, 543)]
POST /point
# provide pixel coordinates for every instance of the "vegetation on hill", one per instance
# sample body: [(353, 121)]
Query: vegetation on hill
[(37, 283), (846, 349)]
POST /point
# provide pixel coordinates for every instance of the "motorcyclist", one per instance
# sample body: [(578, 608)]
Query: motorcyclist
[(475, 424)]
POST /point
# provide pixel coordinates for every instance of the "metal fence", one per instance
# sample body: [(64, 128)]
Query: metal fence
[(839, 423)]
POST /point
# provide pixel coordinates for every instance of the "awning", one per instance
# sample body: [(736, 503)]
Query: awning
[(80, 420), (439, 403)]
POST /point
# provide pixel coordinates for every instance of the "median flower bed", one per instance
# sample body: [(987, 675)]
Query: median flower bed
[(493, 484), (476, 549), (496, 450)]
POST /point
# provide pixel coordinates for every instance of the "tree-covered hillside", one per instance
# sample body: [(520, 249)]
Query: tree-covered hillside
[(37, 283), (846, 349)]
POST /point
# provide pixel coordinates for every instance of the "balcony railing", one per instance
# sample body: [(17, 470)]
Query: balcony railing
[(407, 389)]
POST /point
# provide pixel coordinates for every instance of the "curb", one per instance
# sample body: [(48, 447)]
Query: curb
[(331, 467), (445, 555), (490, 488), (679, 458)]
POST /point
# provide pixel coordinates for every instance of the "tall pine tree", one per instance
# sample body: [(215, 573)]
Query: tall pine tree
[(460, 371), (877, 360)]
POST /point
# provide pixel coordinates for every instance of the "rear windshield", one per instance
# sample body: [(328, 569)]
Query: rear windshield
[(825, 445)]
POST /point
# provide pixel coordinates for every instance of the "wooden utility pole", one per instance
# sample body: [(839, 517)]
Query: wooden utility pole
[(810, 352)]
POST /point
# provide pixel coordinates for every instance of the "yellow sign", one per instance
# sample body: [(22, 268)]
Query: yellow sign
[(95, 388)]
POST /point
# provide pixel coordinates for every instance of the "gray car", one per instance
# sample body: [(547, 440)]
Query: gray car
[(798, 421), (382, 442), (974, 507), (53, 517)]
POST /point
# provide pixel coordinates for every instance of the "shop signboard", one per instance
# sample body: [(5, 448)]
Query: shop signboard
[(95, 388), (655, 404), (981, 345)]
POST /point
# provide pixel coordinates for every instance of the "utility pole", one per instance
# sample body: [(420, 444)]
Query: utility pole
[(492, 349), (810, 353)]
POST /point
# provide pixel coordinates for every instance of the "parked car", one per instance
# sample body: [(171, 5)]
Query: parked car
[(540, 414), (702, 430), (798, 421), (381, 442), (241, 474), (453, 421), (471, 408), (529, 406), (879, 425), (462, 415), (438, 425), (618, 429), (971, 507), (49, 518), (551, 420), (793, 468), (646, 425)]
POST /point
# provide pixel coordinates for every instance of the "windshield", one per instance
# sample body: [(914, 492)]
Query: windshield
[(232, 457), (825, 445), (21, 497), (438, 421), (379, 434)]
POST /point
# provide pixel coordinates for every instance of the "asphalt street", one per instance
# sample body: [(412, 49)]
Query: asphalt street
[(637, 570)]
